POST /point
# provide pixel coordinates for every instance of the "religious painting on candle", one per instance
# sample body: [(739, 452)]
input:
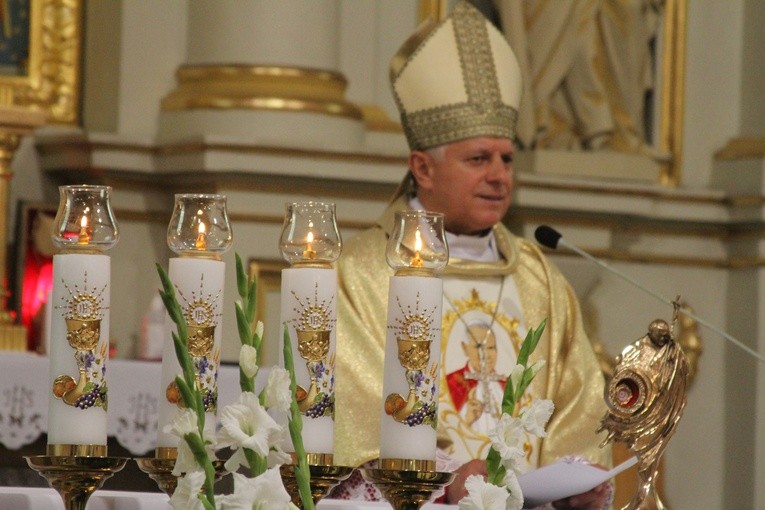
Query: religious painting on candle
[(40, 46), (479, 351)]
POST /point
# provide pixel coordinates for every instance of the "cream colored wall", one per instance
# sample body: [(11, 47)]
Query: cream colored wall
[(122, 108)]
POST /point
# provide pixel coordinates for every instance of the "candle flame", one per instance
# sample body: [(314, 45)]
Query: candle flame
[(201, 242), (417, 261), (83, 237), (309, 252)]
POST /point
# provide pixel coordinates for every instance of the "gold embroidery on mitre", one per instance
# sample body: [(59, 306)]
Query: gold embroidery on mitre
[(483, 113)]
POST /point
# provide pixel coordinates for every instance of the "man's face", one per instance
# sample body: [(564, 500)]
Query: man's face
[(470, 184), (481, 339)]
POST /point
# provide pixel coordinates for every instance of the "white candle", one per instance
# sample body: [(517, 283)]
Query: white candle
[(79, 350), (199, 287), (79, 322), (412, 354), (199, 231), (308, 308)]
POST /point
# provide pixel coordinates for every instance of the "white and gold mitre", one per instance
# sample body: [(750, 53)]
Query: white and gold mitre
[(455, 80)]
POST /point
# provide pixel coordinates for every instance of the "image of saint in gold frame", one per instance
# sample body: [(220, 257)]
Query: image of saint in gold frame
[(42, 66)]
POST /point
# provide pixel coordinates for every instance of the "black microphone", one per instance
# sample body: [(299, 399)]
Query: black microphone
[(551, 238)]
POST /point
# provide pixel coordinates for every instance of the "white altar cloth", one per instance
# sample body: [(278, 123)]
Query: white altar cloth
[(26, 498), (134, 392)]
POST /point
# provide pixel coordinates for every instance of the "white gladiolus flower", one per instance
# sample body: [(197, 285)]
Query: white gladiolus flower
[(482, 495), (507, 439), (516, 376), (278, 395), (246, 424), (186, 495), (278, 457), (515, 499), (259, 329), (184, 423), (535, 417), (537, 366), (248, 360), (265, 492)]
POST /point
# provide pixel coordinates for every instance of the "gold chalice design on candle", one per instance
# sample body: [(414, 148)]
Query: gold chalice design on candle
[(413, 354), (313, 346), (83, 332), (201, 340)]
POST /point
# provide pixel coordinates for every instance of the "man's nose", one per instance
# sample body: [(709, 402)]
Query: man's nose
[(498, 170)]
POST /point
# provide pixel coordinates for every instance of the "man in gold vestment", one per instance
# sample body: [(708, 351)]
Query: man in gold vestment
[(457, 86)]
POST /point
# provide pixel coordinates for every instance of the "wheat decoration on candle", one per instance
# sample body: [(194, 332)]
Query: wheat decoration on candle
[(84, 228), (310, 242), (199, 232)]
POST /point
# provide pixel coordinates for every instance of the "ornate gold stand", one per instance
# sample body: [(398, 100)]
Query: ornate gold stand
[(75, 478), (407, 489), (160, 469), (324, 476)]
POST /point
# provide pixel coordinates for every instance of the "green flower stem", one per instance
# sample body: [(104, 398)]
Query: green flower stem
[(496, 471), (245, 316), (258, 464), (192, 396), (302, 472)]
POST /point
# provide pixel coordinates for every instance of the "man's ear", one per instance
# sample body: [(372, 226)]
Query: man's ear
[(421, 166)]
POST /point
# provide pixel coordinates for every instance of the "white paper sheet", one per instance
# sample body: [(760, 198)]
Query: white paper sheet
[(563, 479)]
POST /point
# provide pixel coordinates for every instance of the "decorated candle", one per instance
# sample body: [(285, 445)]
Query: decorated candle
[(417, 251), (79, 325), (310, 242), (199, 232)]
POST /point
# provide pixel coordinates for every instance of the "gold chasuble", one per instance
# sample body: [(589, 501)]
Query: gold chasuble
[(490, 305)]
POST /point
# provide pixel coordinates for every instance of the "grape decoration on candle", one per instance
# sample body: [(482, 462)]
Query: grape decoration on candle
[(199, 232), (310, 242), (417, 251), (84, 228)]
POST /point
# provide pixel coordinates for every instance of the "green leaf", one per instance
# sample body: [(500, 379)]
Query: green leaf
[(302, 472), (244, 327), (530, 343), (241, 277)]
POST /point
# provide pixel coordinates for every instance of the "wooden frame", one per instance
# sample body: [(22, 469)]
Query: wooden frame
[(51, 80)]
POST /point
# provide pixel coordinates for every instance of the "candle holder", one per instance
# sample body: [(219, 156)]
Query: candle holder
[(324, 476), (310, 237), (417, 244), (199, 226), (84, 220), (160, 469), (74, 477), (407, 484)]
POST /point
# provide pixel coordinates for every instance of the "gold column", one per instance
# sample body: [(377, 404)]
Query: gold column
[(15, 122)]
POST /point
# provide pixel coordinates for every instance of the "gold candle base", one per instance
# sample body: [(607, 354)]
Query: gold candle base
[(75, 478), (160, 469), (405, 489), (324, 476)]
